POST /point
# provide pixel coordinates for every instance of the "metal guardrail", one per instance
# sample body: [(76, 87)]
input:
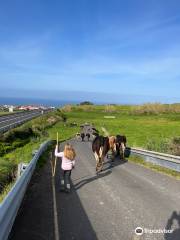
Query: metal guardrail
[(162, 159), (10, 206)]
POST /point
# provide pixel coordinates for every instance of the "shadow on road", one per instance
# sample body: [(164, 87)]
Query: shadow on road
[(105, 172), (35, 218), (174, 219), (91, 179), (116, 162), (73, 220)]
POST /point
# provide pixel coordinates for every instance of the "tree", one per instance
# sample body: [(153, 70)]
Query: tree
[(86, 103)]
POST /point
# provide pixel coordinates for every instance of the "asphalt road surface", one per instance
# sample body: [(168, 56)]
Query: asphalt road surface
[(13, 119), (108, 206)]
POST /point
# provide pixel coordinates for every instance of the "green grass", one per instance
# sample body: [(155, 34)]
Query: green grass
[(4, 113), (64, 130), (5, 191), (138, 129), (27, 156)]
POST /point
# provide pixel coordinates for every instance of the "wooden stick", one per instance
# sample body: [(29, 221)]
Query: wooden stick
[(54, 170)]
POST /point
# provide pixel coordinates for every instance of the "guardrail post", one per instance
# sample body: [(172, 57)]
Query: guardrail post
[(21, 169)]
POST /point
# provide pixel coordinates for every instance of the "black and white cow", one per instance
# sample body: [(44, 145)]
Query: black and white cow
[(82, 136), (121, 145), (100, 146), (88, 136)]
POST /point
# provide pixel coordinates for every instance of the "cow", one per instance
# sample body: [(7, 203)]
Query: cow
[(100, 146), (88, 136), (82, 136), (121, 145)]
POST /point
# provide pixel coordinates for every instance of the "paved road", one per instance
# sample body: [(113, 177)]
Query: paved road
[(108, 206), (12, 120)]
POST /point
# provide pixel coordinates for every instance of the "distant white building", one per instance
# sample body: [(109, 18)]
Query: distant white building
[(11, 108)]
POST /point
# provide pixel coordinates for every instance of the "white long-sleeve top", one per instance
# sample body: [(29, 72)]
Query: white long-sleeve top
[(66, 164)]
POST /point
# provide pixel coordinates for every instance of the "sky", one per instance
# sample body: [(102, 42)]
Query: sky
[(98, 50)]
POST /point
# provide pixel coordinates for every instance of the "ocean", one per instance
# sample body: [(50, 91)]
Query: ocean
[(28, 101)]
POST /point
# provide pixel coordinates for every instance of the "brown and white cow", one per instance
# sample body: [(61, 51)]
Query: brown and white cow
[(100, 146)]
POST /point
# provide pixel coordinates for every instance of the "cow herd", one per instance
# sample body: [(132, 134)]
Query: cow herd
[(110, 146)]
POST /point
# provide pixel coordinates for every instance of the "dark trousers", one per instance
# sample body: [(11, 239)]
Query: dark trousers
[(65, 181)]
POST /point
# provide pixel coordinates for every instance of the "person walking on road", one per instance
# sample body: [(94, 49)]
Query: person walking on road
[(68, 163)]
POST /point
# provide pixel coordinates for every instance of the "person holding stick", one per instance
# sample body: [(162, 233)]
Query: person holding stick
[(68, 163)]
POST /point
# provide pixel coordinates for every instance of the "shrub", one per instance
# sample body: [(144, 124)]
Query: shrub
[(8, 172), (156, 108), (161, 146), (174, 146), (67, 108), (171, 146)]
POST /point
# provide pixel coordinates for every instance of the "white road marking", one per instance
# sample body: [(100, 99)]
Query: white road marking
[(56, 226)]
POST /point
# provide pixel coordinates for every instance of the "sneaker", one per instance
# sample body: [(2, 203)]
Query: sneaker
[(62, 188)]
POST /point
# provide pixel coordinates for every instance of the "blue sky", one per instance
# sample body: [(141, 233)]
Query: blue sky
[(116, 51)]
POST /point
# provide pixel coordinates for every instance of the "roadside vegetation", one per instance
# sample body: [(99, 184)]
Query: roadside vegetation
[(18, 144), (4, 113)]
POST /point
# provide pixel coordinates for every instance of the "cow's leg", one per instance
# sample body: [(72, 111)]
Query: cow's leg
[(120, 151), (117, 149), (97, 160), (101, 163), (123, 150), (101, 153), (101, 158), (114, 152)]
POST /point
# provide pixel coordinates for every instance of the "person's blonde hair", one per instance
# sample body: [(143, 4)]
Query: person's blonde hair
[(69, 152)]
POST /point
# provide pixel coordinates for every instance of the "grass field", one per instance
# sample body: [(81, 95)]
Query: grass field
[(4, 113), (138, 129)]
